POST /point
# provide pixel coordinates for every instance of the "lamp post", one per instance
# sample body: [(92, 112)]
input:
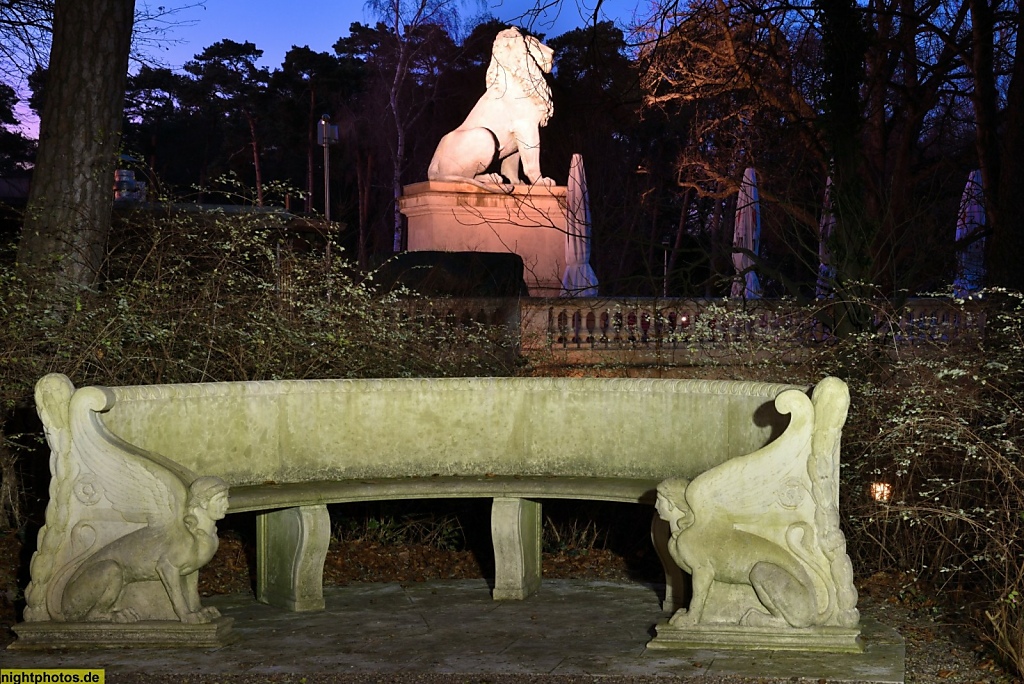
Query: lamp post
[(666, 246), (326, 135)]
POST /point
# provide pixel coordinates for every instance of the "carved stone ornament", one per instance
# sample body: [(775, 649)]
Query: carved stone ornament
[(505, 123), (126, 530), (759, 536)]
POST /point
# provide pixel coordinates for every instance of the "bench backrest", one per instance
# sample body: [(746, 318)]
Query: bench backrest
[(294, 431)]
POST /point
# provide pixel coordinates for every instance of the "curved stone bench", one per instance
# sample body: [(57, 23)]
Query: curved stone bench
[(287, 449)]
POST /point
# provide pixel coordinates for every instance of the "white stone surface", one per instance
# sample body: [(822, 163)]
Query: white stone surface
[(505, 123)]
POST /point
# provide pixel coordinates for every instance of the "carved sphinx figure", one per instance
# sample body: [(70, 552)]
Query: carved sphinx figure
[(171, 548), (126, 529), (759, 534), (781, 581), (505, 123)]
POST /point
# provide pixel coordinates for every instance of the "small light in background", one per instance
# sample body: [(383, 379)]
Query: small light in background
[(881, 491)]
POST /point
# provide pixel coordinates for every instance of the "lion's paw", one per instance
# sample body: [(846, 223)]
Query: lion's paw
[(124, 616), (199, 617), (683, 618)]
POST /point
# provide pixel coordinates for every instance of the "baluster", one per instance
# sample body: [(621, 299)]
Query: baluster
[(563, 328)]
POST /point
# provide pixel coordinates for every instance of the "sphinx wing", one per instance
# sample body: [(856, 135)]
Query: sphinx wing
[(772, 481), (142, 486)]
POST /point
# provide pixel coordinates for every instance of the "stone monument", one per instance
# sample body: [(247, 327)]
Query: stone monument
[(466, 206)]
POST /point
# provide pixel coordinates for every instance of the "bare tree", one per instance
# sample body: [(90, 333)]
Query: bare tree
[(26, 27), (882, 95), (24, 34), (403, 20), (996, 68), (87, 44)]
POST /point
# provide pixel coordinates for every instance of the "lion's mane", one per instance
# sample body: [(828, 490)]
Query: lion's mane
[(504, 124), (516, 63)]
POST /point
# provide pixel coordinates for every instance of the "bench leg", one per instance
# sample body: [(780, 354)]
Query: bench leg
[(291, 546), (515, 532), (677, 588)]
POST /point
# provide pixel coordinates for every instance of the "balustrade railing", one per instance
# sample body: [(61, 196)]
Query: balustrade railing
[(689, 324)]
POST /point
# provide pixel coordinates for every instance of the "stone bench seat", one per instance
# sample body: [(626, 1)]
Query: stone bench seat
[(140, 474), (293, 527), (248, 498)]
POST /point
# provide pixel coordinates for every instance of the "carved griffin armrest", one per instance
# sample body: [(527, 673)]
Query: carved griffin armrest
[(126, 530), (760, 534)]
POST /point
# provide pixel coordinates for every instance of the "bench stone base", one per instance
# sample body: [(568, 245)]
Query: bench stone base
[(516, 534), (819, 639), (292, 545), (47, 636), (291, 549)]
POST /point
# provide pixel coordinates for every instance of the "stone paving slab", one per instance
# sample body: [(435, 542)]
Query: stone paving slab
[(572, 627)]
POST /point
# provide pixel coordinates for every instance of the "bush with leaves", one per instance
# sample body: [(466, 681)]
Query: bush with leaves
[(202, 296), (932, 480), (932, 486)]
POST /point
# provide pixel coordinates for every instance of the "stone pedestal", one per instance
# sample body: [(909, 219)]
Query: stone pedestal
[(736, 637), (291, 547), (51, 635), (461, 217)]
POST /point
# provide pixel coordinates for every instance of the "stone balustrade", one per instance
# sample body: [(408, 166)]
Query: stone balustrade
[(683, 330)]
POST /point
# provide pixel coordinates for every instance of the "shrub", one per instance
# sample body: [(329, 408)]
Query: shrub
[(932, 480), (200, 296), (940, 426), (931, 483)]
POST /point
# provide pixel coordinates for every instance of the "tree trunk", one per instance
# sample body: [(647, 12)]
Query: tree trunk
[(71, 197), (1006, 214), (396, 182), (310, 151), (364, 174), (677, 245), (257, 167)]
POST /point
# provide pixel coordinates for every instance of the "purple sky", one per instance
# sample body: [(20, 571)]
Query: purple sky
[(275, 26)]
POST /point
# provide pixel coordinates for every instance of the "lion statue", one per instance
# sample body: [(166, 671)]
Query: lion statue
[(505, 123)]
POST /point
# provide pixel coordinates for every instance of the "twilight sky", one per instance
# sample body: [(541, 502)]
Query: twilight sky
[(275, 26)]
